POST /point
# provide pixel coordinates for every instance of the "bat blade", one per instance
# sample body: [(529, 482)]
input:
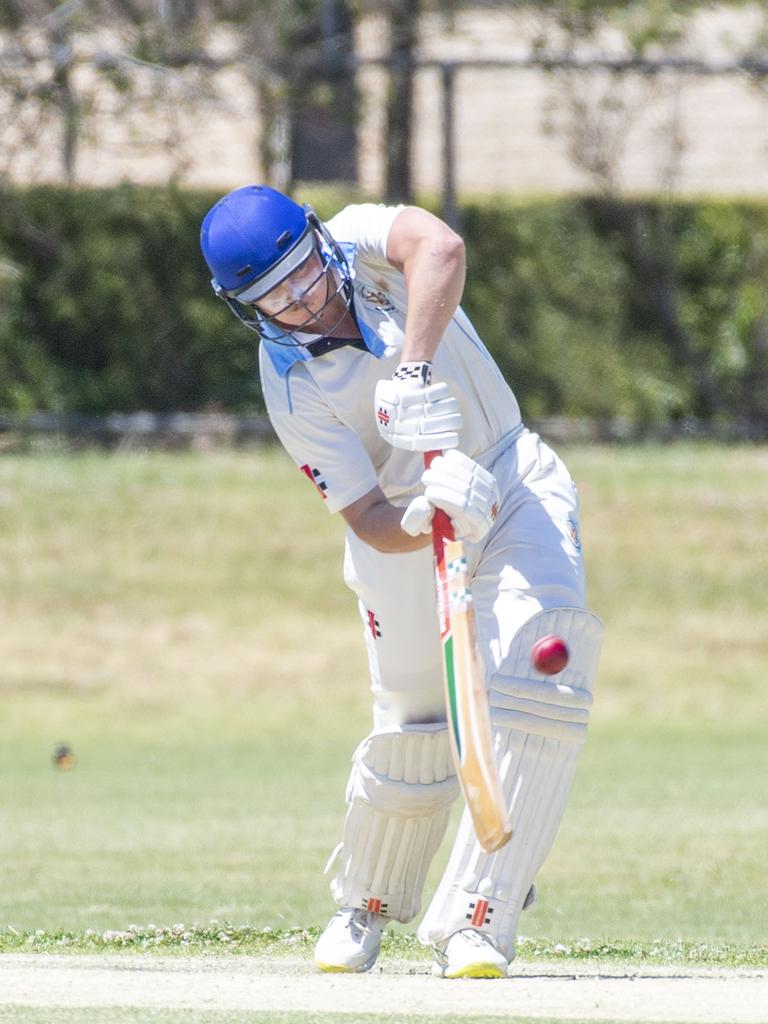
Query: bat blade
[(469, 717), (469, 723)]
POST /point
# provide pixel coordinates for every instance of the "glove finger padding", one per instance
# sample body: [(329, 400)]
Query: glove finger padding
[(417, 517), (417, 419), (465, 490), (415, 398)]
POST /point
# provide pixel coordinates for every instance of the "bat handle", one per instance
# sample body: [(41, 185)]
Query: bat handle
[(442, 527)]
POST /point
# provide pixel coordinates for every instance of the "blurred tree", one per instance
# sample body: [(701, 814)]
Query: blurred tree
[(119, 316), (58, 63), (62, 63), (595, 111), (178, 14), (323, 95), (152, 65), (402, 18)]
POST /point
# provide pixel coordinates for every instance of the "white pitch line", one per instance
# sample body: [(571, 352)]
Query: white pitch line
[(253, 983)]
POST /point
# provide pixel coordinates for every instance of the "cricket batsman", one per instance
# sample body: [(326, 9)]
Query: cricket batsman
[(368, 361)]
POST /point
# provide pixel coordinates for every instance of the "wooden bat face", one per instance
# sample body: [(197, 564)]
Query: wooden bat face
[(466, 699), (469, 722)]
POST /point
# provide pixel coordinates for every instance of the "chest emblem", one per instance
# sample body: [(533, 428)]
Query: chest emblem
[(377, 298), (572, 524)]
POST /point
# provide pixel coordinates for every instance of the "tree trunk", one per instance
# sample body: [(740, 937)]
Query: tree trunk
[(403, 35), (324, 100), (61, 54)]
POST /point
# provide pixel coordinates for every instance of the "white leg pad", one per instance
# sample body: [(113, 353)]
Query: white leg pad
[(540, 724), (399, 796)]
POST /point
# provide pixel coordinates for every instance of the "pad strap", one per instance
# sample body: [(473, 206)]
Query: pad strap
[(399, 795)]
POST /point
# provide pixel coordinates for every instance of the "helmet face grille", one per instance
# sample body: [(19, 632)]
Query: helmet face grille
[(278, 272), (336, 269), (253, 239)]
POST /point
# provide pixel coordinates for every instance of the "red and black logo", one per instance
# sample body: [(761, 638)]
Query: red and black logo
[(373, 625), (316, 478), (480, 913), (374, 906), (382, 416)]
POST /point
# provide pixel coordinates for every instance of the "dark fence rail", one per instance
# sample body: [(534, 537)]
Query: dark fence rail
[(194, 431), (208, 431)]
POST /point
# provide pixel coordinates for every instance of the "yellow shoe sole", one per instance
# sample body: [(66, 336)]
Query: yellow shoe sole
[(332, 968), (477, 971)]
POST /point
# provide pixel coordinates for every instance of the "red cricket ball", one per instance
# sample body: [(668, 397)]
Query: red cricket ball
[(550, 655)]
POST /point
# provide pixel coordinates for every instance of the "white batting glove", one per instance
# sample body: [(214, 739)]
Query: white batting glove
[(463, 489), (417, 517), (413, 414)]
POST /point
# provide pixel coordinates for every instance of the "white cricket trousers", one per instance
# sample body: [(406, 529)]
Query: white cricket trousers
[(531, 560)]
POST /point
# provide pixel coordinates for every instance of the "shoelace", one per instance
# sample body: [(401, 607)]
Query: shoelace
[(360, 922)]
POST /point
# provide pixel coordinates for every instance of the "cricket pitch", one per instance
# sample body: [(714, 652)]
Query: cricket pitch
[(583, 992)]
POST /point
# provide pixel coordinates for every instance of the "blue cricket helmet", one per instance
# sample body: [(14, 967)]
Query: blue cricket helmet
[(252, 239)]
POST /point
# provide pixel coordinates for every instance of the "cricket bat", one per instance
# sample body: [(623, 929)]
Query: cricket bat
[(469, 722)]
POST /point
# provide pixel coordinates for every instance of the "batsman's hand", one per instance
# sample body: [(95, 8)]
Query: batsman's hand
[(413, 413), (463, 489)]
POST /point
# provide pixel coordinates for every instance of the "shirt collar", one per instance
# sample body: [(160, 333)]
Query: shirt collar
[(285, 356)]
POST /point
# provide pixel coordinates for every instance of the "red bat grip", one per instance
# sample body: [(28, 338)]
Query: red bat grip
[(442, 527)]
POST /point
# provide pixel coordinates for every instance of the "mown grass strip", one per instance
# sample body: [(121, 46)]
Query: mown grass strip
[(128, 1015), (222, 937)]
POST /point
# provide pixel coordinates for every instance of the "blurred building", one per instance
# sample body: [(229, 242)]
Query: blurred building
[(516, 129)]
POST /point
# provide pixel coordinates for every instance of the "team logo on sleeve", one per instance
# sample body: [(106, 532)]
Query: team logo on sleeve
[(374, 625), (316, 477), (377, 298)]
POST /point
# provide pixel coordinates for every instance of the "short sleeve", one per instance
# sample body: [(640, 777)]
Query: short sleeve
[(367, 227), (329, 453)]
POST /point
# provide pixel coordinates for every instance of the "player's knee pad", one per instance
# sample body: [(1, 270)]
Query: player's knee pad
[(540, 724), (399, 794)]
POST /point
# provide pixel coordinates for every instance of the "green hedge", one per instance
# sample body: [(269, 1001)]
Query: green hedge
[(110, 307), (651, 311)]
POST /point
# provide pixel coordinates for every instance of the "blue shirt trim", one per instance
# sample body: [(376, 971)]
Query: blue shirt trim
[(285, 356)]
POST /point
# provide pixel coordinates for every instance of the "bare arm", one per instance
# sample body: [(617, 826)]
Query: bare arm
[(377, 522), (431, 257)]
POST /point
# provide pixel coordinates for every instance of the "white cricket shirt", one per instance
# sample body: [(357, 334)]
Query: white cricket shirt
[(322, 409)]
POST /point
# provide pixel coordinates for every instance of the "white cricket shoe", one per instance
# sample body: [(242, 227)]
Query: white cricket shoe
[(469, 954), (350, 942)]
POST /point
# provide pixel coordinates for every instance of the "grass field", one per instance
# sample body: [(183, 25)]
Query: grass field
[(180, 620), (129, 1016)]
